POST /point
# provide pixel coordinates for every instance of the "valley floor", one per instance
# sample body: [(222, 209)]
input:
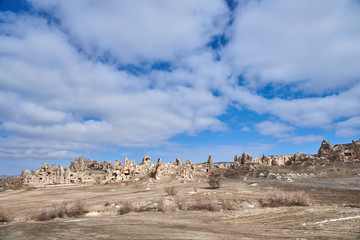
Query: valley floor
[(333, 214)]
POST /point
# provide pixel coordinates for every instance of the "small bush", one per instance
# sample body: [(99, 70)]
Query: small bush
[(12, 183), (214, 182), (44, 216), (228, 205), (212, 206), (125, 208), (76, 209), (282, 198), (4, 217), (172, 191), (62, 210), (183, 206), (161, 206), (199, 206)]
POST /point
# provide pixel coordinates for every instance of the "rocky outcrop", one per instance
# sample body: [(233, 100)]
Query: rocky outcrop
[(209, 164), (89, 171), (339, 152), (326, 150)]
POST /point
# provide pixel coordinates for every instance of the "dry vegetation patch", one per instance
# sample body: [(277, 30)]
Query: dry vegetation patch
[(171, 190), (214, 180), (75, 209), (4, 217), (286, 198)]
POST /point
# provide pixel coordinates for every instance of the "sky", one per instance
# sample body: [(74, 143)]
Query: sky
[(114, 78)]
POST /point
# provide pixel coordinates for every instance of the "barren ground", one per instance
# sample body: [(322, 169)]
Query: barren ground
[(336, 199)]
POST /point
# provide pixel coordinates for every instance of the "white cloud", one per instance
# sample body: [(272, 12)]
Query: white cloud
[(306, 112), (303, 139), (139, 31), (348, 128), (48, 88), (313, 46), (277, 129), (51, 77), (245, 129)]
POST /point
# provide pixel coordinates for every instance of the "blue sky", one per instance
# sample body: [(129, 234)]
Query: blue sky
[(166, 78)]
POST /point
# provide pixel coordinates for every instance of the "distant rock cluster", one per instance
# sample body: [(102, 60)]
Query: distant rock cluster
[(92, 171)]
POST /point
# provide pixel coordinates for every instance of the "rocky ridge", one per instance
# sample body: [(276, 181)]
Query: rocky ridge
[(92, 171)]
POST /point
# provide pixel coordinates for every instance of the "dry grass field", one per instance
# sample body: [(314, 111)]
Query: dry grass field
[(322, 208)]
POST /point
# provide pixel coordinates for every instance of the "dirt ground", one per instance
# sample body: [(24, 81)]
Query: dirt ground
[(333, 214)]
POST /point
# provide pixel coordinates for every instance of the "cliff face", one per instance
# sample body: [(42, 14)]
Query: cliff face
[(90, 171)]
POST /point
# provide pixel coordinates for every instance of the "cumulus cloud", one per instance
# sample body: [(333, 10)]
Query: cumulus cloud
[(350, 127), (66, 84), (306, 112), (277, 129), (311, 46), (139, 31), (303, 139), (49, 89)]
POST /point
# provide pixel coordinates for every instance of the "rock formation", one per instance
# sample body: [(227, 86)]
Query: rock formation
[(89, 171)]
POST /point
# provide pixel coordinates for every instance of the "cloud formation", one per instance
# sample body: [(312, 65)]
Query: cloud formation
[(81, 75)]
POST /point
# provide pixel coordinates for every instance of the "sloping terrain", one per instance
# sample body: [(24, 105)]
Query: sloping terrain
[(333, 214)]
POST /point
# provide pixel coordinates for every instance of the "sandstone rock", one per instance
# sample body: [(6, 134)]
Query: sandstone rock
[(146, 160), (210, 164), (89, 171), (326, 150), (117, 165), (159, 162), (266, 160), (177, 162), (355, 149)]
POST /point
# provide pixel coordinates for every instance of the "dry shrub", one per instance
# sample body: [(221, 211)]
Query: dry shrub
[(43, 216), (228, 205), (211, 205), (172, 191), (4, 217), (214, 181), (183, 206), (283, 198), (62, 210), (198, 206), (126, 207), (161, 206), (76, 209), (12, 183)]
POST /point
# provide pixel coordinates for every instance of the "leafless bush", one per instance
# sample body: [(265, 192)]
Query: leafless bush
[(4, 217), (61, 210), (211, 205), (214, 181), (198, 206), (284, 198), (76, 209), (44, 216), (161, 206), (125, 208), (172, 190), (106, 204), (11, 183), (183, 206), (228, 205)]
